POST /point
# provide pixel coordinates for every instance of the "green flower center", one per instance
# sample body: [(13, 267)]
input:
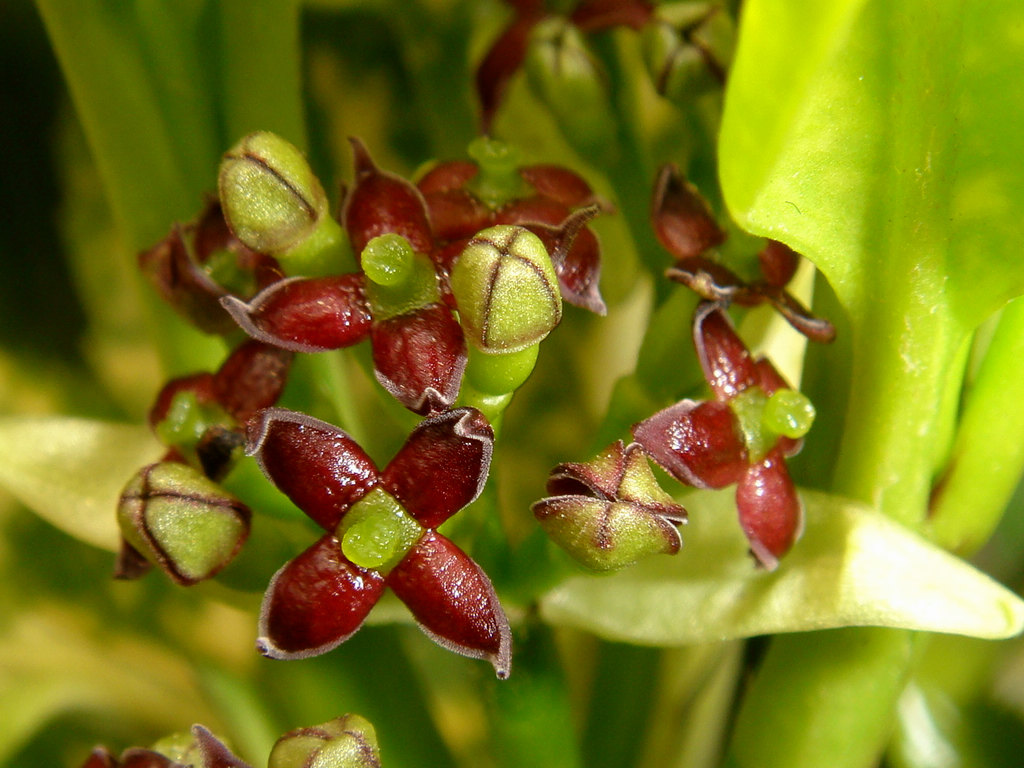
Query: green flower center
[(377, 532), (763, 419)]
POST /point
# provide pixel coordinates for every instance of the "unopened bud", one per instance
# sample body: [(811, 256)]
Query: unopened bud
[(182, 521), (348, 741), (610, 512), (687, 49), (567, 79), (506, 289)]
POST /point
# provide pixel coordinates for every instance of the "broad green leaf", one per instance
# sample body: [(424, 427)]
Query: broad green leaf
[(853, 567), (882, 140), (71, 471)]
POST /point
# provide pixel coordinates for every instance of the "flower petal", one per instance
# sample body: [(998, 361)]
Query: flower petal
[(453, 601), (419, 357), (502, 60), (728, 366), (770, 509), (315, 602), (698, 443), (306, 314), (252, 378), (682, 219), (383, 203), (443, 465), (559, 184), (319, 467)]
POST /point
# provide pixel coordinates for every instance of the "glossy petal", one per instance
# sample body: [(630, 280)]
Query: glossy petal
[(727, 364), (443, 465), (144, 758), (456, 213), (697, 443), (503, 59), (383, 203), (306, 314), (770, 509), (318, 466), (419, 357), (559, 184), (453, 601), (315, 602), (252, 378), (682, 219)]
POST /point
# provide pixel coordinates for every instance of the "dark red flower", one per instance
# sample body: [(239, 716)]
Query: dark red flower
[(419, 351), (381, 532), (545, 201), (741, 437), (198, 263), (685, 226)]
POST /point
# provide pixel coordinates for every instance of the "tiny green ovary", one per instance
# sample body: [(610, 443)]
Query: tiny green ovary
[(377, 532)]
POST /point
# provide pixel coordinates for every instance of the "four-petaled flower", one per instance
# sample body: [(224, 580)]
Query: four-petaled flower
[(381, 532), (419, 350), (743, 436)]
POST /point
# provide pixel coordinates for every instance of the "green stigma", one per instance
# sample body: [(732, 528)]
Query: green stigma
[(789, 413), (377, 532), (499, 180), (388, 259), (748, 406)]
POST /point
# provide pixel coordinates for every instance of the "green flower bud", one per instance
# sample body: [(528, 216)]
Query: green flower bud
[(180, 520), (348, 741), (567, 79), (687, 49), (274, 203), (271, 198), (610, 512), (506, 290)]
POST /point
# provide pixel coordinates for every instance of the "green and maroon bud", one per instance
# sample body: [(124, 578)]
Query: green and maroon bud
[(348, 741), (506, 289), (180, 520), (274, 203), (610, 512), (687, 49)]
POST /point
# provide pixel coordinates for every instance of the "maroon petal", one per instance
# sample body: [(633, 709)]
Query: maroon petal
[(252, 378), (797, 315), (727, 364), (447, 176), (319, 467), (419, 357), (778, 263), (770, 510), (456, 213), (143, 758), (443, 465), (213, 752), (501, 62), (559, 184), (699, 444), (306, 314), (595, 15), (682, 219), (315, 602), (453, 601), (383, 203)]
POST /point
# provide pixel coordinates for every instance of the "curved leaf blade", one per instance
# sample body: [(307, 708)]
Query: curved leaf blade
[(853, 567), (71, 471)]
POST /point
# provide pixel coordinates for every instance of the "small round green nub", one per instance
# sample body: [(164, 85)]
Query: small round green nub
[(388, 259), (377, 532), (789, 413), (506, 290), (271, 198)]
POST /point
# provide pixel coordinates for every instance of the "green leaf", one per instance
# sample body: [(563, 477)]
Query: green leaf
[(882, 141), (853, 567), (71, 471)]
